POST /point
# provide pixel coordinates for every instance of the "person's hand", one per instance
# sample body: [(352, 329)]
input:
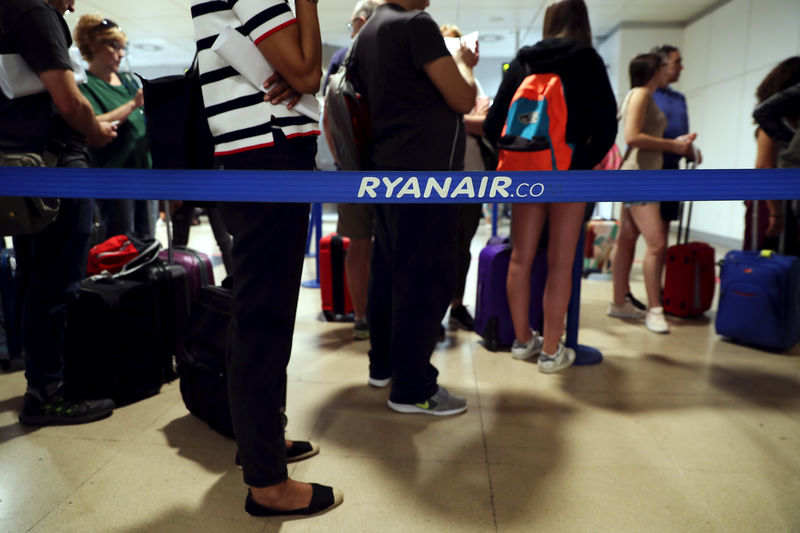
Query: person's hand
[(775, 226), (279, 91), (697, 156), (683, 144), (106, 133), (466, 56), (138, 100)]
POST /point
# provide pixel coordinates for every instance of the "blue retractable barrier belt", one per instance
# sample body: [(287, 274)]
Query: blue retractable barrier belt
[(402, 187)]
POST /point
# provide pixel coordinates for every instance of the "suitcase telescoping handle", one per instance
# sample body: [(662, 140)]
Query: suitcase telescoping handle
[(754, 226), (683, 232)]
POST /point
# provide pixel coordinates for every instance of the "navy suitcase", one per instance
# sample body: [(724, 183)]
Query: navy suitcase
[(492, 315), (759, 299)]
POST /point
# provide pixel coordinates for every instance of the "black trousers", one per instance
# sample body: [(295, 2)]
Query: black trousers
[(268, 250), (411, 285), (50, 267)]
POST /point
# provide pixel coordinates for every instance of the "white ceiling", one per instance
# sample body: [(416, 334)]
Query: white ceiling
[(160, 31)]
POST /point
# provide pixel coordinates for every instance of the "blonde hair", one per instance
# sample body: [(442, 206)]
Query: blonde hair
[(94, 28), (450, 28)]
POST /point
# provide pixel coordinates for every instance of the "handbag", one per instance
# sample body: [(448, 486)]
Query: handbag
[(23, 215), (121, 253)]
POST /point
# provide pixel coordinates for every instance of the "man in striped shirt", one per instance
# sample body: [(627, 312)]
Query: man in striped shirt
[(253, 132)]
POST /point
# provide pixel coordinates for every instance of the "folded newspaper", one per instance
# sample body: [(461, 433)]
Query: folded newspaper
[(18, 80), (243, 55)]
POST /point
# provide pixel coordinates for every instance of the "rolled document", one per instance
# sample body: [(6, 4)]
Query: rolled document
[(18, 80), (242, 54)]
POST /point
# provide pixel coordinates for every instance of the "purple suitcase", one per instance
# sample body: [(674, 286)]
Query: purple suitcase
[(197, 264), (492, 316)]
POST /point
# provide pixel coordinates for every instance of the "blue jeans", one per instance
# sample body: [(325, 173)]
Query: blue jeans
[(50, 267)]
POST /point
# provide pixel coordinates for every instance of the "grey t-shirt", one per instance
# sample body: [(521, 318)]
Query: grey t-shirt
[(413, 127)]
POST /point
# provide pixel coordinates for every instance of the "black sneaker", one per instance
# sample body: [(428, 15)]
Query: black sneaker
[(60, 411), (460, 318), (636, 303)]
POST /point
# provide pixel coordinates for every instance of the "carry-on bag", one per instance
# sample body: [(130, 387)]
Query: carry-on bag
[(492, 314), (203, 381), (336, 302), (198, 266), (691, 274), (759, 300)]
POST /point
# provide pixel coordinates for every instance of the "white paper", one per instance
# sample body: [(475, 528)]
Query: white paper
[(18, 80), (470, 40), (242, 54)]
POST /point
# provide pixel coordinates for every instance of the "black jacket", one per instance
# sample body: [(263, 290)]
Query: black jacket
[(591, 106)]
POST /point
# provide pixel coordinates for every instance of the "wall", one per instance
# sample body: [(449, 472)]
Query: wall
[(726, 54)]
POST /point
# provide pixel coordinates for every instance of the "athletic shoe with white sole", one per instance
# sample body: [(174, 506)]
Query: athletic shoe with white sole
[(529, 349), (440, 404), (563, 358), (655, 320), (628, 310)]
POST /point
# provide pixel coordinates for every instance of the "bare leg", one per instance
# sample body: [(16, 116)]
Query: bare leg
[(648, 219), (565, 228), (527, 221), (356, 264), (623, 256)]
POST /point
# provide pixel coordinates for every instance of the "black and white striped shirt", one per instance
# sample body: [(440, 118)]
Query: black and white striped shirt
[(238, 116)]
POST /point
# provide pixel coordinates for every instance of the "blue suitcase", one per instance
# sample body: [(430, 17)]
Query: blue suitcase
[(492, 315), (759, 299)]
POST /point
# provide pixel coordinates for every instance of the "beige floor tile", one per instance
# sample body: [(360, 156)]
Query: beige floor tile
[(150, 488), (614, 499), (38, 472), (399, 495)]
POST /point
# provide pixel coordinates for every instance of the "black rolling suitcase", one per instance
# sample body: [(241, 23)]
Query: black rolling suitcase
[(110, 346), (204, 385)]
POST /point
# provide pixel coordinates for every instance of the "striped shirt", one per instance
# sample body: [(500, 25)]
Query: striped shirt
[(238, 116)]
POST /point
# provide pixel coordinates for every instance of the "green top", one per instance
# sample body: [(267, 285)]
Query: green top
[(131, 148)]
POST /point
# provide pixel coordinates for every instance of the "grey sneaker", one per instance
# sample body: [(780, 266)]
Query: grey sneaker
[(361, 330), (628, 310), (440, 404), (529, 349), (563, 358)]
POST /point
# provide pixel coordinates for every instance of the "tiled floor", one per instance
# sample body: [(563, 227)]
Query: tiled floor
[(679, 432)]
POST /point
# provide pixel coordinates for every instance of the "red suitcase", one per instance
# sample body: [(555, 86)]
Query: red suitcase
[(691, 275), (336, 303)]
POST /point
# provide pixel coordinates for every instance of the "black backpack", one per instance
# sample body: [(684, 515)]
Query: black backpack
[(176, 121)]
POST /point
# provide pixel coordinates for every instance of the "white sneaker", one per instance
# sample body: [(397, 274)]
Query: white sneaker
[(628, 310), (562, 359), (529, 349), (655, 320)]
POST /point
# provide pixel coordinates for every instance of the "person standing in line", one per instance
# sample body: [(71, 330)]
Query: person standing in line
[(356, 221), (417, 93), (644, 125), (566, 50), (253, 131), (49, 129), (115, 97)]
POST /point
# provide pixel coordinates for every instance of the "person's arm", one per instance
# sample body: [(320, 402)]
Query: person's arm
[(634, 123), (770, 114), (474, 120), (452, 76), (122, 113), (293, 49), (766, 157), (75, 108)]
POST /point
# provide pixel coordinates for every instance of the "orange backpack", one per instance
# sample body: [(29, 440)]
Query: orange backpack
[(535, 133)]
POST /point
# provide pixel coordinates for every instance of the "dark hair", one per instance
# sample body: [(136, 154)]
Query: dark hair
[(642, 69), (664, 50), (783, 76), (568, 17)]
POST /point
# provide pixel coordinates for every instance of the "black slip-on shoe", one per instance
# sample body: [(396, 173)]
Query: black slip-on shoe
[(323, 498), (301, 449)]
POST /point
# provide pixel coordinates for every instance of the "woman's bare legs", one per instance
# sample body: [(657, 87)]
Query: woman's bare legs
[(648, 219), (622, 259), (565, 228), (527, 221)]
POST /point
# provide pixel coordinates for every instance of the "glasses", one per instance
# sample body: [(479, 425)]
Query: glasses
[(115, 45)]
